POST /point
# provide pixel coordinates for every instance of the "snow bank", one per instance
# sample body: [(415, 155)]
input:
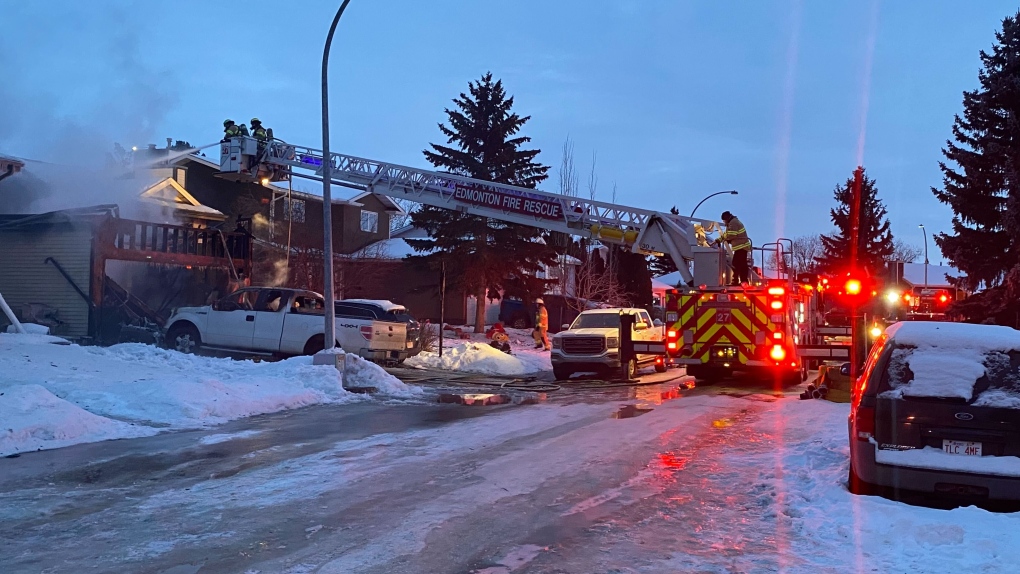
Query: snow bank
[(472, 358), (30, 329), (361, 372), (32, 418), (799, 491), (156, 389)]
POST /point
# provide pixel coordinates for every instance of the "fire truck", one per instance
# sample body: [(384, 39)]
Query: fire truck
[(774, 325), (711, 328)]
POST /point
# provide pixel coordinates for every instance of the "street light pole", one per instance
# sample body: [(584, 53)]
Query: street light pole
[(731, 192), (923, 231), (327, 199)]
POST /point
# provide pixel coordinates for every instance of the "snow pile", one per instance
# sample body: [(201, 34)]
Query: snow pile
[(472, 358), (154, 389), (32, 418), (360, 372), (30, 329), (947, 358), (794, 513)]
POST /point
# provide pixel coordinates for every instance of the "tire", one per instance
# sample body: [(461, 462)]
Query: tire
[(660, 368), (183, 338), (628, 370), (562, 372), (519, 322), (316, 344)]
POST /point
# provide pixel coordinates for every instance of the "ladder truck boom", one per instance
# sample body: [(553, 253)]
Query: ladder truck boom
[(643, 231)]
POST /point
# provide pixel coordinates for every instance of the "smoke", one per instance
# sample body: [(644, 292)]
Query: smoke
[(75, 82)]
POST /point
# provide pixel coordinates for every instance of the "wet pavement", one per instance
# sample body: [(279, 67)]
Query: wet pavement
[(371, 487)]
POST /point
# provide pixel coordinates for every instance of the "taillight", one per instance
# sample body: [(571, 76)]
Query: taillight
[(777, 305), (778, 291), (778, 335), (671, 334), (671, 345), (778, 353), (366, 332), (864, 423)]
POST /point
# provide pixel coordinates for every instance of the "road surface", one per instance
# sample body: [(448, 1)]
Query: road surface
[(589, 481)]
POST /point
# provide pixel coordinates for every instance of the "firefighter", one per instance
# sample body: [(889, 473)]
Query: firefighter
[(541, 332), (736, 236), (501, 341), (230, 130), (258, 132)]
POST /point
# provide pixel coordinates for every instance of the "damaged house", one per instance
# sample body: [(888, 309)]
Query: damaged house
[(167, 232)]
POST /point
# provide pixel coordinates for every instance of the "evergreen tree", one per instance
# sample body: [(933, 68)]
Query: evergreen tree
[(874, 240), (484, 256), (633, 277), (983, 188)]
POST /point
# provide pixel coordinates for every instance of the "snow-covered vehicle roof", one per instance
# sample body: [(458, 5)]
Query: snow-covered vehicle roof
[(952, 336), (946, 360), (385, 304)]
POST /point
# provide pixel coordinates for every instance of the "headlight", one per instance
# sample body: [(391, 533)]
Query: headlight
[(557, 342), (612, 342)]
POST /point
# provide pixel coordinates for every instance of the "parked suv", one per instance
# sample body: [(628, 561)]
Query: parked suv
[(562, 311), (937, 410), (592, 344)]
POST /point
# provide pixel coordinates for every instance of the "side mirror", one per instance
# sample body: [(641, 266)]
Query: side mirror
[(565, 326), (844, 369)]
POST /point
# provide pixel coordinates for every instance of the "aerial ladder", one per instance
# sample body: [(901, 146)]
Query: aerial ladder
[(683, 239)]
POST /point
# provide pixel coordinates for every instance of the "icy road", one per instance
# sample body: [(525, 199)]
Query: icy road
[(701, 483)]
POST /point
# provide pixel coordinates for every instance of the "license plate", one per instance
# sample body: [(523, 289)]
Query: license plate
[(963, 447)]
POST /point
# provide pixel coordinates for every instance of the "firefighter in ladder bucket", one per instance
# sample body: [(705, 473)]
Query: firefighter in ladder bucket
[(740, 243)]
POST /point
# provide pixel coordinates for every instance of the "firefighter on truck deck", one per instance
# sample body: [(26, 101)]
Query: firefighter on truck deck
[(736, 236)]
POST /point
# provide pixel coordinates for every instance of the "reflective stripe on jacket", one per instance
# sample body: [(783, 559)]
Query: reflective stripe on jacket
[(736, 235), (260, 134), (232, 131), (542, 317)]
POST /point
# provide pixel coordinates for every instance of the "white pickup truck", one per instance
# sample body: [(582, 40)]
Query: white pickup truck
[(277, 321), (592, 344)]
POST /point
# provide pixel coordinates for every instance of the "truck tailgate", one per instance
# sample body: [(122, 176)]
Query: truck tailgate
[(386, 336)]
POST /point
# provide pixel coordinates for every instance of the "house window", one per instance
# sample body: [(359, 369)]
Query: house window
[(294, 209), (369, 221)]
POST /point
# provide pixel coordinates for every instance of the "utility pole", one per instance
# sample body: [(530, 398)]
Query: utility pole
[(856, 327), (327, 199)]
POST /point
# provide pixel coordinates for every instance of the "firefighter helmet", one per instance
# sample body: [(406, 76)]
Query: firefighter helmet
[(255, 121), (227, 122)]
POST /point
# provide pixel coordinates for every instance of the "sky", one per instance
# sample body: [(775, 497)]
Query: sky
[(779, 100)]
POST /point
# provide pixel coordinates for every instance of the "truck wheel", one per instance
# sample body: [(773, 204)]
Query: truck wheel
[(628, 371), (519, 322), (183, 338), (562, 372), (660, 368), (316, 344)]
